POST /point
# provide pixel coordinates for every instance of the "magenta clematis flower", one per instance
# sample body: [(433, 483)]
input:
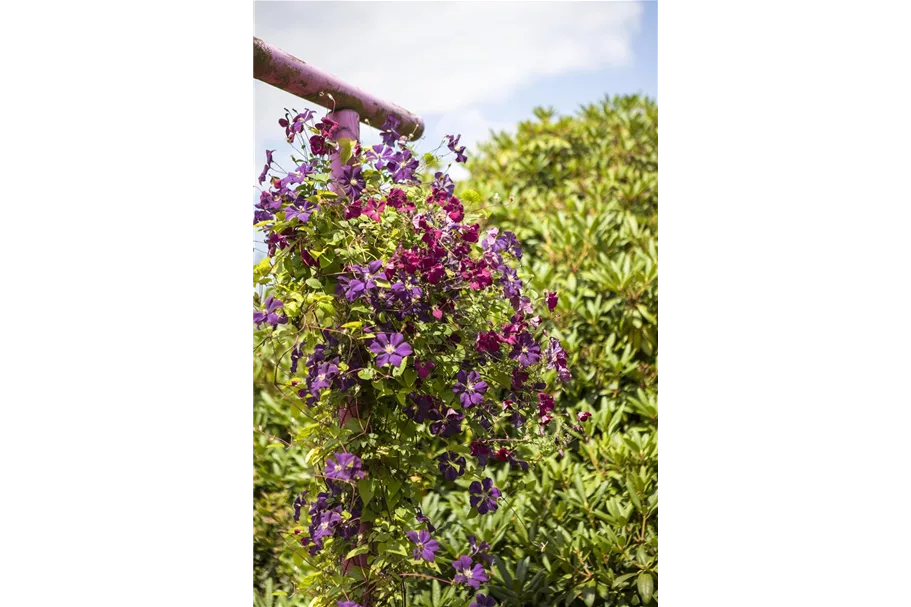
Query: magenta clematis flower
[(328, 127), (423, 368), (551, 299), (480, 451), (425, 546), (470, 388), (502, 454), (484, 496), (270, 316), (390, 349), (398, 200), (374, 209), (488, 342), (469, 573), (583, 416), (318, 145), (344, 467)]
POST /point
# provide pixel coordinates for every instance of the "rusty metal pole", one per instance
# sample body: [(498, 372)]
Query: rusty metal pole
[(349, 107), (349, 128), (282, 70)]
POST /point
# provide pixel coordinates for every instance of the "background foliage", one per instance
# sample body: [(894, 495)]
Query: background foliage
[(580, 193)]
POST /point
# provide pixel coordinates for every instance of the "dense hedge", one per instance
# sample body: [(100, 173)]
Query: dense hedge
[(581, 195)]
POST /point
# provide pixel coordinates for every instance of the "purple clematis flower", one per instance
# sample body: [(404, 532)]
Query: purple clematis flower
[(390, 349), (270, 316), (262, 176), (443, 181), (389, 131), (344, 467), (325, 524), (380, 155), (459, 152), (319, 504), (402, 166), (322, 379), (451, 465), (480, 550), (422, 518), (469, 573), (484, 496), (526, 350), (480, 451), (470, 388), (450, 425), (299, 502), (351, 181), (483, 601), (348, 604), (301, 213), (425, 546)]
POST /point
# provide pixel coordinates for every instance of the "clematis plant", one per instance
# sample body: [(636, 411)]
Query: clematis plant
[(409, 349)]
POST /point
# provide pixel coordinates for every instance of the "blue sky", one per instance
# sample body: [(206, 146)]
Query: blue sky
[(464, 67)]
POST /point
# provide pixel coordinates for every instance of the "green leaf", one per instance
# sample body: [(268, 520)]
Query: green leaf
[(365, 490), (646, 586), (618, 581), (262, 268), (632, 494), (409, 376), (314, 284), (366, 373), (345, 147), (435, 593), (471, 197), (358, 551)]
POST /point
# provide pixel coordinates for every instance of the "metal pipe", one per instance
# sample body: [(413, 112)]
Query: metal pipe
[(276, 67)]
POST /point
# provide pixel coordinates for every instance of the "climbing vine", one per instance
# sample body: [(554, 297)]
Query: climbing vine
[(409, 350)]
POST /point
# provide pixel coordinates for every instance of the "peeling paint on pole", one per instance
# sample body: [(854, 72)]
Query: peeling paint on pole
[(276, 67)]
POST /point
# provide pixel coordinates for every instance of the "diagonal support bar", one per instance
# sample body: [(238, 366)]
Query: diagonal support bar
[(276, 67)]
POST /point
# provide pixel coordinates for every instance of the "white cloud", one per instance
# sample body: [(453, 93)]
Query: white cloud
[(446, 61), (438, 57)]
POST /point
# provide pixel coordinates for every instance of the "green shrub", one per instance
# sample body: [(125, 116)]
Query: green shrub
[(584, 530), (582, 198)]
